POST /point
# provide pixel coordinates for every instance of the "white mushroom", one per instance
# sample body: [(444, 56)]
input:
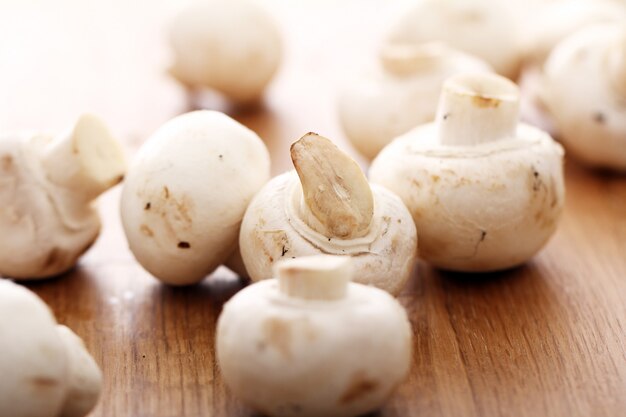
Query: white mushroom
[(84, 380), (556, 20), (186, 193), (328, 207), (485, 192), (584, 90), (483, 28), (47, 188), (311, 343), (46, 371), (231, 46), (378, 108)]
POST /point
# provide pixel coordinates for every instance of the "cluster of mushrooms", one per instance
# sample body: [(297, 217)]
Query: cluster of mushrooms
[(326, 248)]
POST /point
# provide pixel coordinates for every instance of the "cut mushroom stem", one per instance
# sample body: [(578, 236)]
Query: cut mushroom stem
[(617, 65), (337, 201), (476, 109), (321, 277), (86, 159), (406, 59)]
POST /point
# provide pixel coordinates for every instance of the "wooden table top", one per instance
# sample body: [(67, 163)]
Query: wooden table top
[(544, 339)]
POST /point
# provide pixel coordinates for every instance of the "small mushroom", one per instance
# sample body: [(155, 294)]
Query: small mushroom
[(327, 206), (311, 343), (485, 191), (231, 46), (584, 89), (376, 109), (483, 28), (47, 188), (186, 193), (46, 370)]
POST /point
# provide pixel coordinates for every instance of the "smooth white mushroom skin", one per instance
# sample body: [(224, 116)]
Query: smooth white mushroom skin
[(306, 344), (84, 379), (402, 94), (47, 188), (186, 193), (46, 371), (277, 226), (483, 28), (489, 204), (232, 46), (584, 90)]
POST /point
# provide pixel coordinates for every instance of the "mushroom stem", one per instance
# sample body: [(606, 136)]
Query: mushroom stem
[(86, 159), (406, 59), (321, 277), (617, 65), (338, 200), (477, 108)]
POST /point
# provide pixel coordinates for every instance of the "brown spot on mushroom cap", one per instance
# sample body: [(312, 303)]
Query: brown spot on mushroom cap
[(486, 102), (184, 245), (166, 192), (43, 382), (358, 386), (146, 230), (278, 333), (54, 256)]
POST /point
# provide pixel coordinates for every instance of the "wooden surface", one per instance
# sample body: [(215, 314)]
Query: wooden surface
[(544, 339)]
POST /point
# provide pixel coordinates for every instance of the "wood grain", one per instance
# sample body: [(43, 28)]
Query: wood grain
[(544, 339)]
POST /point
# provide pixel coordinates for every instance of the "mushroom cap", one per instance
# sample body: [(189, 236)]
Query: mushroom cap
[(377, 108), (84, 379), (45, 226), (556, 20), (482, 207), (187, 191), (272, 230), (483, 28), (286, 356), (585, 102), (232, 46), (33, 360)]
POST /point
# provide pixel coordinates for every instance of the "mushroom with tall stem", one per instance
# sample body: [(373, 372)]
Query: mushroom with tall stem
[(485, 191), (47, 189), (326, 206)]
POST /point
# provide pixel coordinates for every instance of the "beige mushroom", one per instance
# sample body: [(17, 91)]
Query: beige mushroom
[(47, 188), (311, 343), (584, 89), (186, 193), (402, 94), (46, 370), (231, 46), (557, 20), (84, 380), (483, 28), (327, 207), (485, 191)]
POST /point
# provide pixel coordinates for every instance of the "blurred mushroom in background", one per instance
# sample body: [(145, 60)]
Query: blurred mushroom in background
[(229, 46)]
